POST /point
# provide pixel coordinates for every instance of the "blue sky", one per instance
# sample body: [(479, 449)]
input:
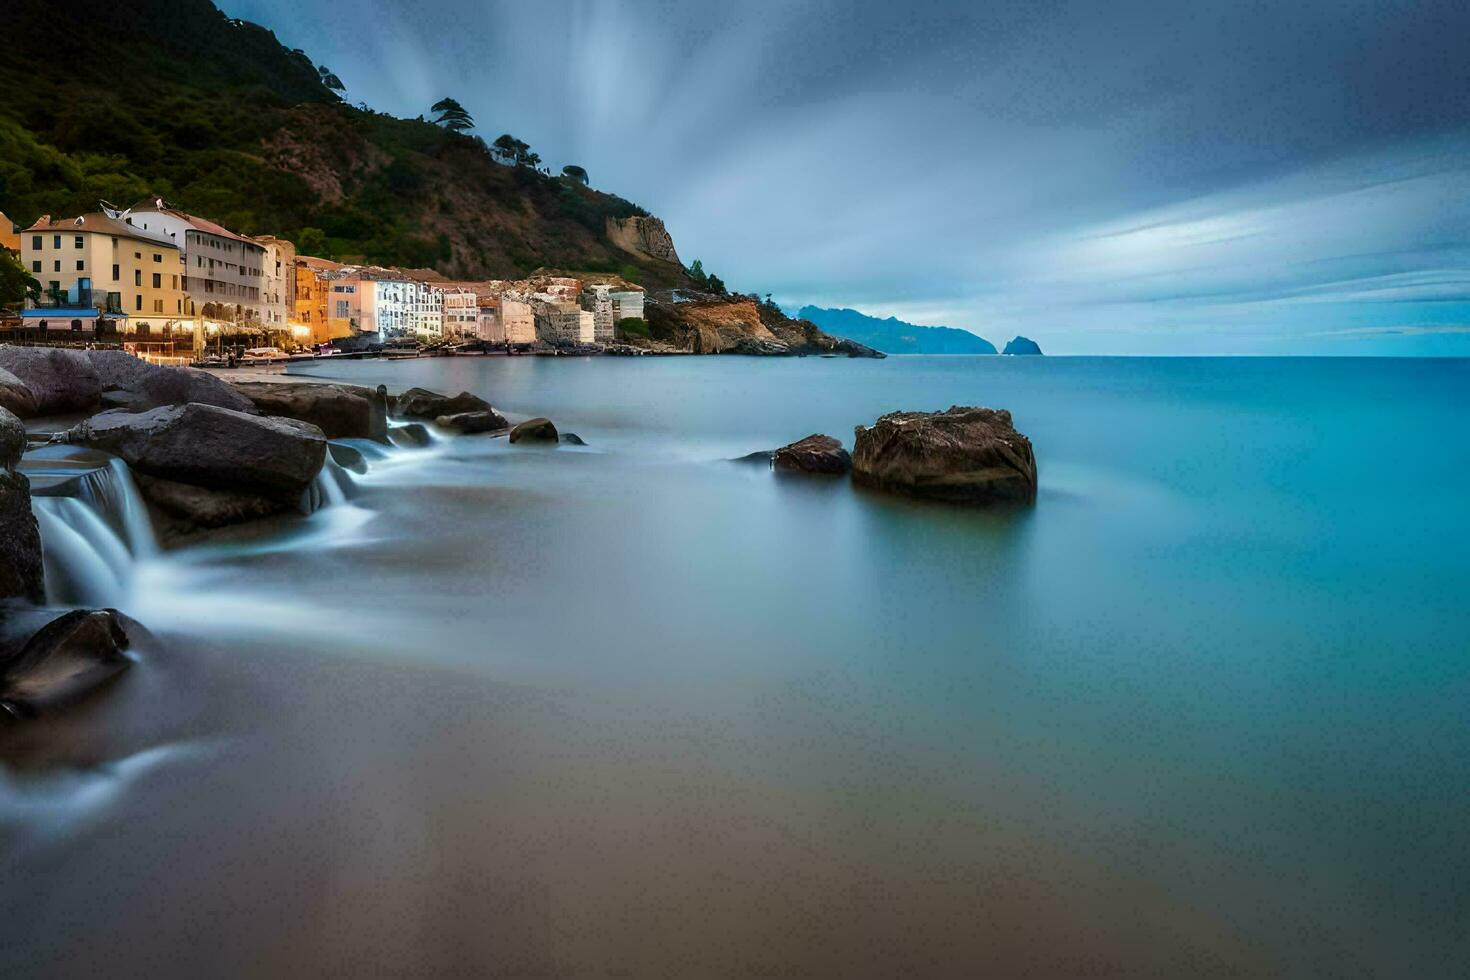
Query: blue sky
[(1131, 177)]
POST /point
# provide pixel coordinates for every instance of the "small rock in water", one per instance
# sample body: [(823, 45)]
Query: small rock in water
[(411, 436), (534, 430), (572, 439), (347, 457), (764, 457), (420, 403), (964, 455), (814, 454), (469, 423), (65, 661)]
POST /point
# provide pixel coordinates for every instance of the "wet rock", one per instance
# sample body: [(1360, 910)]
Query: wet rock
[(15, 397), (572, 439), (420, 403), (534, 430), (411, 436), (814, 454), (59, 380), (69, 658), (136, 385), (12, 440), (340, 411), (963, 455), (348, 457), (211, 447), (469, 423), (186, 508), (765, 457), (21, 573)]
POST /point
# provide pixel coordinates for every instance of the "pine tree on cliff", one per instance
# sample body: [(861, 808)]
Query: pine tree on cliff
[(575, 173), (452, 115)]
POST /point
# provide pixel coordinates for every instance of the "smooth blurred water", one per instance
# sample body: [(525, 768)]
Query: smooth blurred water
[(634, 708)]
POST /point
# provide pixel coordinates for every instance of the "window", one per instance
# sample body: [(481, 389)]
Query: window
[(78, 242), (55, 241), (157, 257), (158, 306), (55, 286), (76, 326), (175, 280), (137, 255), (138, 302), (180, 304), (137, 277), (36, 242), (116, 273), (56, 265), (157, 280), (81, 265), (36, 266)]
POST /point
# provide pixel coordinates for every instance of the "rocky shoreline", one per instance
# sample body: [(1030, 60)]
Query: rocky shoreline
[(209, 453)]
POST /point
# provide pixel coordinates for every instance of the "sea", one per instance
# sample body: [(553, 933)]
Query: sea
[(634, 709)]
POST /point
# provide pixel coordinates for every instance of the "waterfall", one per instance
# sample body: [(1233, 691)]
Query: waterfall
[(86, 562), (331, 487)]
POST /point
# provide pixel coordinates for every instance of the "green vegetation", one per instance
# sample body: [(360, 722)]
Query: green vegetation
[(16, 284), (217, 117), (631, 326), (574, 172), (706, 281)]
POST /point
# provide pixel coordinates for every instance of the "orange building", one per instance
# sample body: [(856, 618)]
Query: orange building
[(309, 305), (9, 234)]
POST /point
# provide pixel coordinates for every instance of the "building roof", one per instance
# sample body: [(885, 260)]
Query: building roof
[(101, 224), (312, 262), (158, 205)]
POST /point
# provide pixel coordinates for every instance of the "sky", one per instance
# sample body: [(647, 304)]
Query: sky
[(1132, 177)]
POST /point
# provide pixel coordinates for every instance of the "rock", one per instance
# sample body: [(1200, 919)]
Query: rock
[(572, 439), (15, 397), (964, 455), (534, 430), (411, 436), (134, 384), (211, 447), (340, 411), (347, 457), (190, 508), (814, 454), (1022, 345), (468, 423), (69, 658), (59, 380), (420, 403), (765, 457), (12, 440), (21, 574)]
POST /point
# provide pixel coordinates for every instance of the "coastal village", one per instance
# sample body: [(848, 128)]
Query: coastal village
[(173, 287)]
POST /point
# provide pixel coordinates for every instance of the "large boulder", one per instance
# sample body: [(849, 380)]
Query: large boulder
[(185, 508), (340, 411), (420, 403), (134, 384), (15, 397), (21, 573), (963, 455), (12, 440), (66, 660), (469, 423), (59, 380), (534, 430), (814, 454), (211, 447)]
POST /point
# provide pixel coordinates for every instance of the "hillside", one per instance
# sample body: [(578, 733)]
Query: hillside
[(894, 336), (120, 99)]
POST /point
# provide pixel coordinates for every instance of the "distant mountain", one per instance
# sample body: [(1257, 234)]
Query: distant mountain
[(1022, 345), (893, 336)]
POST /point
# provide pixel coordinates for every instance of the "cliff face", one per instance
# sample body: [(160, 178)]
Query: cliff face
[(643, 236), (740, 325)]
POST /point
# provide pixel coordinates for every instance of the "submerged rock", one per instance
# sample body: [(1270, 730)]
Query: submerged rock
[(814, 454), (134, 384), (765, 457), (572, 439), (534, 430), (347, 457), (340, 411), (69, 658), (58, 379), (411, 436), (211, 447), (963, 455), (15, 397), (469, 423), (1022, 345), (420, 403)]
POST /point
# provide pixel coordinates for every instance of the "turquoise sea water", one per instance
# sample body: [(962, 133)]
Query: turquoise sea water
[(1205, 709)]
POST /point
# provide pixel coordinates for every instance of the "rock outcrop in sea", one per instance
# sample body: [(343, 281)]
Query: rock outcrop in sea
[(534, 430), (1022, 346), (341, 411), (814, 454), (420, 403), (963, 455)]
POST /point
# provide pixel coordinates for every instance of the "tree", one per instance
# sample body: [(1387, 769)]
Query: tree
[(313, 242), (716, 285), (697, 274), (452, 116), (16, 284), (329, 79), (575, 173)]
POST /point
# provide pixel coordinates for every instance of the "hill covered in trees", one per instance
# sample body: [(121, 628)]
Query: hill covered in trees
[(121, 99), (894, 336)]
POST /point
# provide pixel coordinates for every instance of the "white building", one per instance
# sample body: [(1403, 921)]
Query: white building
[(597, 299), (395, 309), (277, 296), (224, 273), (517, 321), (564, 324)]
